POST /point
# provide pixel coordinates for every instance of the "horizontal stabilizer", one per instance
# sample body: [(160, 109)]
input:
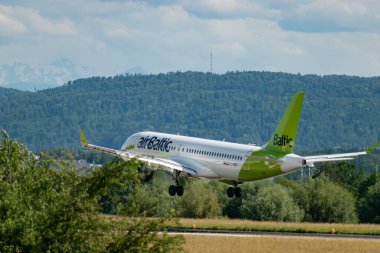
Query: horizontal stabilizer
[(310, 160)]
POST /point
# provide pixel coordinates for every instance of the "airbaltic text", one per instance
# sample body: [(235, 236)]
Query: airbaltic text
[(283, 140), (154, 143)]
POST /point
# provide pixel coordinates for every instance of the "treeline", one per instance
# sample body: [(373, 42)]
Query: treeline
[(9, 92), (338, 112), (339, 193)]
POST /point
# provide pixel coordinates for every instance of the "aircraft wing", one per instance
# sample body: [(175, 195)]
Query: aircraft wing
[(84, 143), (165, 164), (310, 160), (152, 162)]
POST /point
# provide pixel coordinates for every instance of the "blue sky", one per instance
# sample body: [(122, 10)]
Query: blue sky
[(100, 37)]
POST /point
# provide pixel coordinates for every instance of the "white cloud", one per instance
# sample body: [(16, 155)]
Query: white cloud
[(109, 37), (22, 20), (227, 9), (9, 24), (333, 16)]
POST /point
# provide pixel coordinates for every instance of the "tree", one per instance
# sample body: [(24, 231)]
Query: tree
[(344, 174), (368, 182), (152, 199), (46, 205), (200, 201), (42, 209), (369, 206), (271, 203), (328, 202), (143, 235)]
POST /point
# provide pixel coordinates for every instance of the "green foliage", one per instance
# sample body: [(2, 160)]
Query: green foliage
[(369, 207), (271, 203), (328, 202), (152, 199), (233, 207), (368, 182), (343, 174), (42, 209), (143, 236), (9, 92), (237, 106), (48, 206), (200, 201), (115, 182)]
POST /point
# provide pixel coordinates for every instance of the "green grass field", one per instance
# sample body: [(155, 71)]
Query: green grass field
[(248, 225), (268, 244)]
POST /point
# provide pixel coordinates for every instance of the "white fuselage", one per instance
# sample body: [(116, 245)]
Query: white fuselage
[(213, 159)]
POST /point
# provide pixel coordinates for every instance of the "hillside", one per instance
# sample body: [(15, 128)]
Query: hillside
[(8, 92), (338, 111)]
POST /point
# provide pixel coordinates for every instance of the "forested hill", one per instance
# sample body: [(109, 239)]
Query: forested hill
[(7, 92), (338, 111)]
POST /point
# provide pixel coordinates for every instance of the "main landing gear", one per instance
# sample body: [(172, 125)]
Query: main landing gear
[(173, 189), (176, 189), (234, 191)]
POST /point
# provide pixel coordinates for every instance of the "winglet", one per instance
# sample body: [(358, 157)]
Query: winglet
[(368, 151), (83, 140)]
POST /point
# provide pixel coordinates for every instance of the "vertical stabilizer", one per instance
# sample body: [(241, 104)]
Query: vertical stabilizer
[(284, 137)]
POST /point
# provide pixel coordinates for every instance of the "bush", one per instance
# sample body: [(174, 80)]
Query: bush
[(271, 203), (328, 202), (369, 207), (152, 199), (200, 200)]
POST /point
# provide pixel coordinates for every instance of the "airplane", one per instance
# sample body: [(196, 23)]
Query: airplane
[(227, 162)]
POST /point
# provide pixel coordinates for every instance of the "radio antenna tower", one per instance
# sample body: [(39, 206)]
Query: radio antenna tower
[(211, 61)]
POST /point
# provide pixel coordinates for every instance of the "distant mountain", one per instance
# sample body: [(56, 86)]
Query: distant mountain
[(23, 76), (245, 107)]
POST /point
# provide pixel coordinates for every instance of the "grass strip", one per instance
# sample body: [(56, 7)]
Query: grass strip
[(248, 225), (220, 244), (264, 226)]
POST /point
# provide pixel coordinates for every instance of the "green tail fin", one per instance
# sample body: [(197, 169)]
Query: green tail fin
[(284, 137)]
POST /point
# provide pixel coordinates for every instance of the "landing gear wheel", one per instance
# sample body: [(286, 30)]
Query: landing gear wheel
[(230, 192), (179, 190), (176, 189), (234, 191), (172, 190)]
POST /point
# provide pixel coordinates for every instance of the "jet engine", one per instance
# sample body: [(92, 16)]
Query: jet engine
[(292, 162), (145, 174)]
